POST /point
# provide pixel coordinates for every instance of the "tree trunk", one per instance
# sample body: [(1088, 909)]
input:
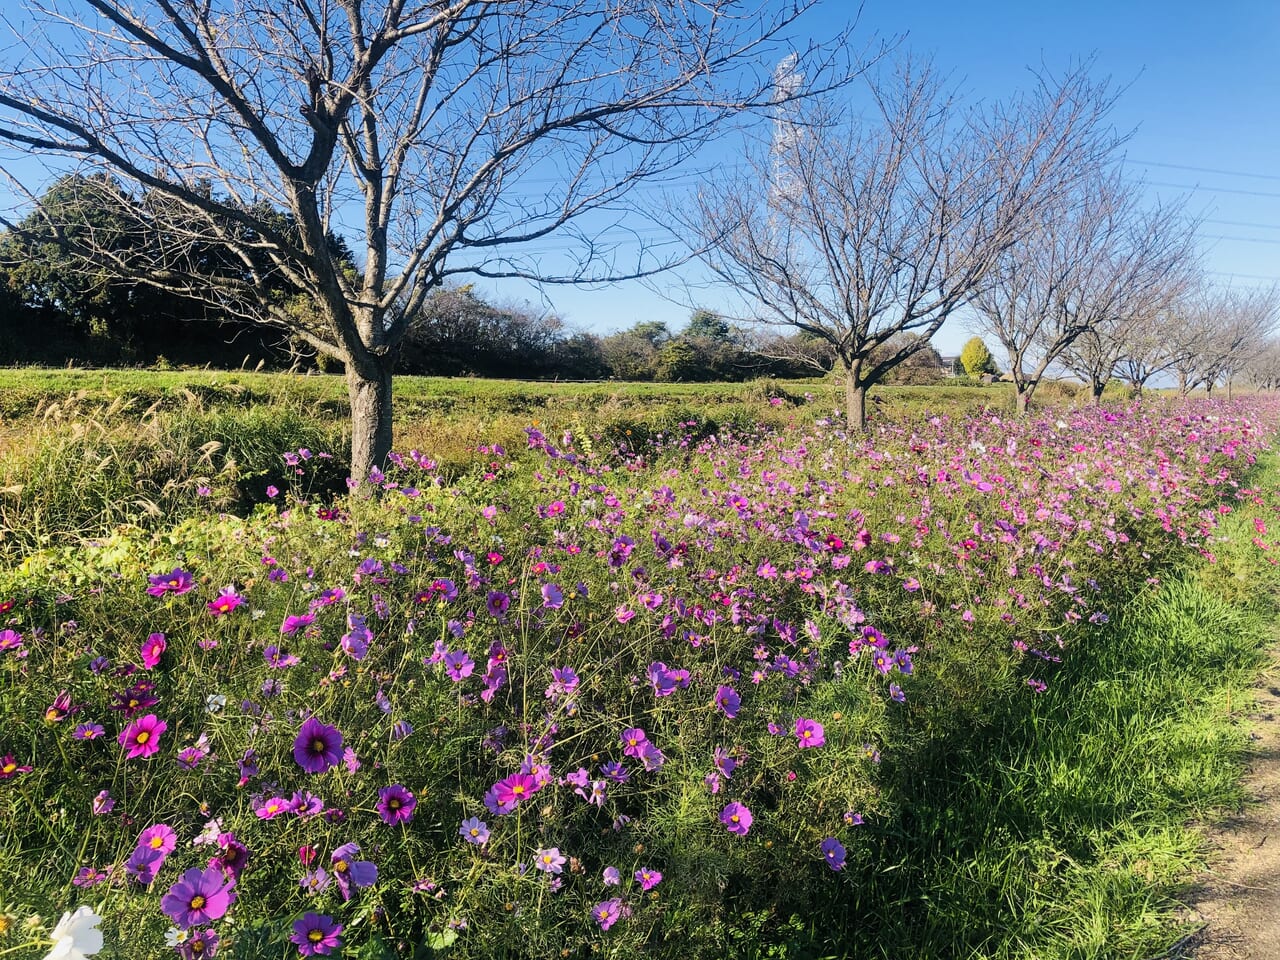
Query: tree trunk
[(1095, 392), (369, 389), (855, 397), (1022, 398)]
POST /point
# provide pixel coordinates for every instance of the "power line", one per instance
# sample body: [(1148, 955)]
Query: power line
[(1212, 236), (1243, 223), (1214, 170), (1196, 186)]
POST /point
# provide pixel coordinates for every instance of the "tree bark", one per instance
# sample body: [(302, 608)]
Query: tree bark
[(1022, 399), (369, 389), (855, 397), (1095, 392)]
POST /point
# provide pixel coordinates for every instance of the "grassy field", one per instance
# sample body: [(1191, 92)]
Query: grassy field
[(1008, 818)]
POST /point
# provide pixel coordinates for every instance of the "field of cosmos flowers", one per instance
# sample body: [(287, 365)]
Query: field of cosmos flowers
[(666, 700)]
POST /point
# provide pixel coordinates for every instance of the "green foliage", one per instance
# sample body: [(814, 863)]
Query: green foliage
[(976, 358)]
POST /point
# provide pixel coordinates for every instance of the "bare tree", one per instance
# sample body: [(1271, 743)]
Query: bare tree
[(856, 230), (1155, 346), (1096, 263), (1236, 324), (1262, 371), (438, 137)]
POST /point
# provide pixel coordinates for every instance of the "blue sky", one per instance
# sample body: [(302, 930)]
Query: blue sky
[(1202, 91), (1202, 97)]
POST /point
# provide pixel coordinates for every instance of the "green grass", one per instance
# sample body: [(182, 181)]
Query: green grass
[(1063, 828)]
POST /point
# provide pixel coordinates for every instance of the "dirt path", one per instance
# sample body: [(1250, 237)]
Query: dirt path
[(1239, 899)]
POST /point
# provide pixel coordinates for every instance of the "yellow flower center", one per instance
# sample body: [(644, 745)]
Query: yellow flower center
[(197, 902), (317, 745), (393, 803), (141, 737), (734, 818), (315, 936), (9, 767), (475, 832), (340, 866), (518, 790), (157, 843)]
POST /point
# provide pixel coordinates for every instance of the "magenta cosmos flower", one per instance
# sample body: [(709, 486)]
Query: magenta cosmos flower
[(141, 738), (737, 818), (200, 897), (727, 699), (316, 934), (152, 650), (318, 746), (648, 879), (176, 582), (633, 741), (809, 733), (395, 804)]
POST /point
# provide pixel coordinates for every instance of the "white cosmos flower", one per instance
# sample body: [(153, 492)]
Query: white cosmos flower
[(76, 937)]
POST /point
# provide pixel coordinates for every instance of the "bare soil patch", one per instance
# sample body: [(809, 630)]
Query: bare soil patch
[(1238, 900)]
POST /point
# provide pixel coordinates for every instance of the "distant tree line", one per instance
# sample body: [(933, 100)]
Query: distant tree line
[(55, 311)]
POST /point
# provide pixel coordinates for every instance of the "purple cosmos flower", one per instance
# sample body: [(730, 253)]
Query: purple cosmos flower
[(199, 945), (350, 872), (318, 746), (615, 771), (552, 596), (278, 659), (159, 837), (141, 738), (853, 819), (152, 650), (550, 860), (606, 914), (833, 852), (306, 804), (612, 877), (395, 804), (176, 582), (725, 762), (737, 818), (200, 897), (474, 831), (633, 741), (103, 803), (316, 934), (88, 731), (727, 699), (648, 879), (315, 881), (143, 865), (652, 757), (497, 604), (458, 665), (809, 733)]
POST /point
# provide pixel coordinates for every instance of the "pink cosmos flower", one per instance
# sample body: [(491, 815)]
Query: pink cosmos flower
[(159, 837), (177, 582), (141, 738), (648, 879)]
